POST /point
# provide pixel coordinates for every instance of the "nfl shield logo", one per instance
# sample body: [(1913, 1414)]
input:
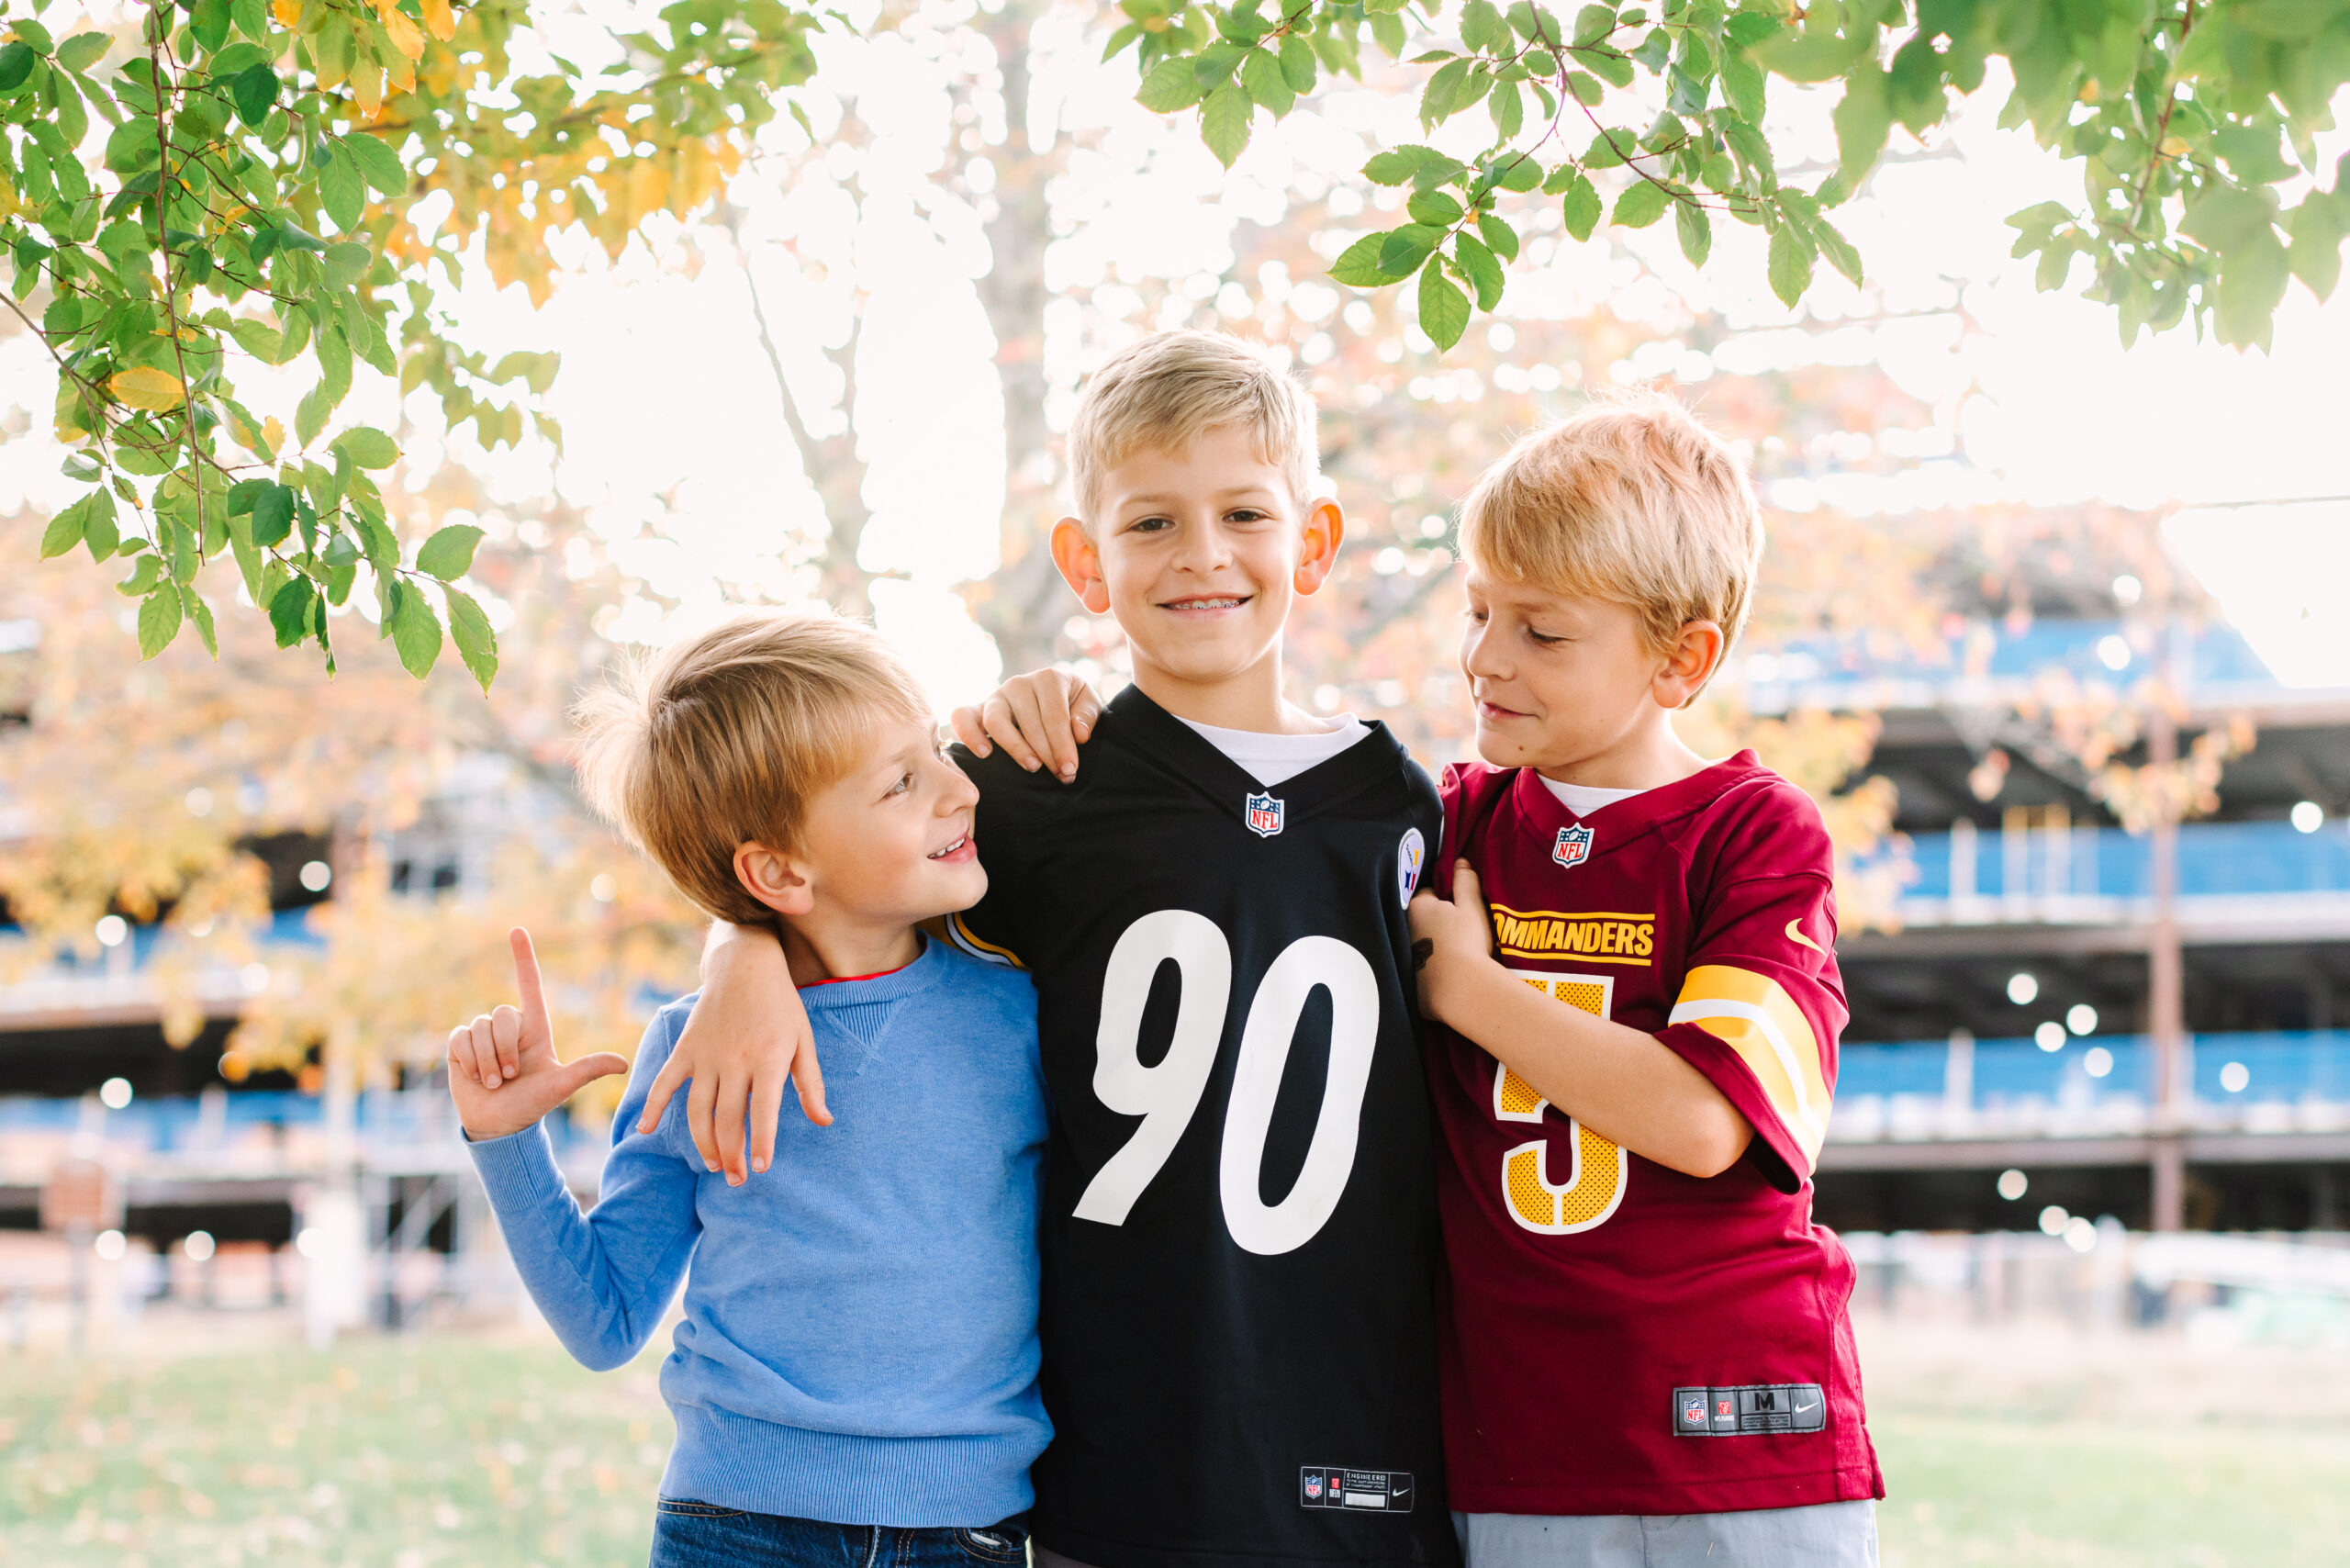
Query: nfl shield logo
[(1314, 1486), (1265, 815), (1573, 846), (1693, 1411)]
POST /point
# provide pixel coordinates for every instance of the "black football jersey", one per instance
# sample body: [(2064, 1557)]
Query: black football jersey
[(1240, 1250)]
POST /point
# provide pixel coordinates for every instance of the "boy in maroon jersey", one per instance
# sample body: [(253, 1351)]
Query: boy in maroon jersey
[(1647, 1358)]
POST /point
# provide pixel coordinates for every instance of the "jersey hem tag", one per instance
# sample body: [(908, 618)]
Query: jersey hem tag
[(1364, 1491), (1752, 1409)]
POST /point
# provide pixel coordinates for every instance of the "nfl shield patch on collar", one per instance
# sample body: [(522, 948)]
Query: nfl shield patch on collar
[(1264, 815), (1573, 846)]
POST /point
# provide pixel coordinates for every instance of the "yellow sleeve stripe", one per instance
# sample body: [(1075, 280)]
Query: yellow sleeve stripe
[(1754, 1016), (980, 947)]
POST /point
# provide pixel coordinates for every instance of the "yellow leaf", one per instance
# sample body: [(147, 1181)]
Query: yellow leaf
[(404, 34), (438, 20), (273, 435), (367, 89), (287, 12), (401, 70), (144, 387)]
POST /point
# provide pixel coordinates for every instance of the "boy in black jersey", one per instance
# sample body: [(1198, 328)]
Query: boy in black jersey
[(1239, 1235)]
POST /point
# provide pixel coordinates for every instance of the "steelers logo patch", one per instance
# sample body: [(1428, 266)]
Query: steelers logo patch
[(1410, 855)]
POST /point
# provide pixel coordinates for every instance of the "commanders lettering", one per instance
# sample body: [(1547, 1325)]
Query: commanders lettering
[(1543, 934)]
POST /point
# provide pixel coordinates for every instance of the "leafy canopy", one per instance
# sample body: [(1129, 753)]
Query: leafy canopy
[(230, 182), (2194, 123)]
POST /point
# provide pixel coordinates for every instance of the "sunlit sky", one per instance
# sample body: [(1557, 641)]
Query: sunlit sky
[(665, 392)]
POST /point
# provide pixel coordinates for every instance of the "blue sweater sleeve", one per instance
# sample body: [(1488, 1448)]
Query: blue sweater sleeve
[(601, 1279)]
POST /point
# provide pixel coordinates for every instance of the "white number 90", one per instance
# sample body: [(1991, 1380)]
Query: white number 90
[(1166, 1096)]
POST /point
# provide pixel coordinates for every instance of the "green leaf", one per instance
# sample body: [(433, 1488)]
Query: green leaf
[(1406, 248), (64, 530), (1499, 236), (17, 62), (144, 576), (1839, 251), (1481, 269), (272, 514), (1743, 85), (1520, 174), (477, 643), (1358, 266), (1864, 118), (1581, 208), (416, 631), (257, 339), (342, 190), (1225, 121), (1433, 207), (2252, 285), (1297, 64), (2226, 219), (1261, 79), (98, 526), (1444, 310), (378, 162), (254, 92), (1641, 204), (1697, 232), (84, 50), (2316, 252), (1791, 264), (1172, 84), (289, 610), (369, 448), (201, 613), (159, 619), (449, 553)]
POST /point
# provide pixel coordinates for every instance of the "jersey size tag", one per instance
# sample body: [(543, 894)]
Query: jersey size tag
[(1753, 1409), (1372, 1491), (1265, 815)]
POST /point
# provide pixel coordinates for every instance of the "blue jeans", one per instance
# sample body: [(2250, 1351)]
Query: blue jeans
[(689, 1534)]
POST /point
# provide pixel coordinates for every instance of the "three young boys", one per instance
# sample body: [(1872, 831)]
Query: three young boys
[(1242, 1306)]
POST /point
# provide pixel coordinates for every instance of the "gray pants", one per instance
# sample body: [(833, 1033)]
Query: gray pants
[(1826, 1534)]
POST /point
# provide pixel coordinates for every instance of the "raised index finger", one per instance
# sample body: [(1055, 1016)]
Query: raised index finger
[(526, 981)]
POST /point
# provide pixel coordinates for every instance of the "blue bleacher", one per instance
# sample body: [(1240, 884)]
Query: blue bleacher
[(2283, 1067)]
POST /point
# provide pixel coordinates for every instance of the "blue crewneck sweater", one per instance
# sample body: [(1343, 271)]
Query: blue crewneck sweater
[(859, 1342)]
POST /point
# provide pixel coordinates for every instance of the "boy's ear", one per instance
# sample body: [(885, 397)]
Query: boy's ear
[(1081, 565), (775, 878), (1326, 530), (1696, 655)]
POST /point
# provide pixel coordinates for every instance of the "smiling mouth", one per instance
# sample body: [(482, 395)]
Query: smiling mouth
[(959, 841), (1208, 601), (1495, 710)]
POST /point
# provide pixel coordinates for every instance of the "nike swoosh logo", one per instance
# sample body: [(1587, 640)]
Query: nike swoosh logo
[(1806, 1409), (1794, 933)]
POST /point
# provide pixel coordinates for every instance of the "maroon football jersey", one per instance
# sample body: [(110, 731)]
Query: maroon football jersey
[(1620, 1338)]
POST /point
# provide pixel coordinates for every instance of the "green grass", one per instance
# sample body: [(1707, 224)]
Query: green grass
[(383, 1454), (501, 1452), (1966, 1490)]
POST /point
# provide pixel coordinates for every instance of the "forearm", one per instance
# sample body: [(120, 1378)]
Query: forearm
[(727, 943), (1622, 1083), (600, 1281)]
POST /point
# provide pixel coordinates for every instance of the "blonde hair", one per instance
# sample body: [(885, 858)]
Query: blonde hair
[(1168, 389), (721, 740), (1631, 500)]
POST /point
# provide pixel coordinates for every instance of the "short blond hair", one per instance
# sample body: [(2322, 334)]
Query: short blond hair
[(1168, 389), (1631, 500), (721, 739)]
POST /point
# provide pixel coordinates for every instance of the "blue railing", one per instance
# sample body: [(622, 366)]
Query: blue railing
[(2226, 1070), (2214, 656), (2215, 860), (172, 1123)]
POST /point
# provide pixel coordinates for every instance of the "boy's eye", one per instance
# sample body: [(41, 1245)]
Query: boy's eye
[(1246, 514), (905, 783), (1150, 524)]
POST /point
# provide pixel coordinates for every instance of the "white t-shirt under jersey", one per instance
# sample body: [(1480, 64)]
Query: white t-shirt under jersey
[(1585, 799), (1270, 759)]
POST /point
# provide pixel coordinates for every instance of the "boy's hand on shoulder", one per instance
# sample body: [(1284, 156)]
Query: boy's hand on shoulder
[(1042, 716), (503, 1073), (747, 1035), (1452, 945)]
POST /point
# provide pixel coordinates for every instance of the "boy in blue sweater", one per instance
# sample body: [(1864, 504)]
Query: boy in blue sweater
[(855, 1376)]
